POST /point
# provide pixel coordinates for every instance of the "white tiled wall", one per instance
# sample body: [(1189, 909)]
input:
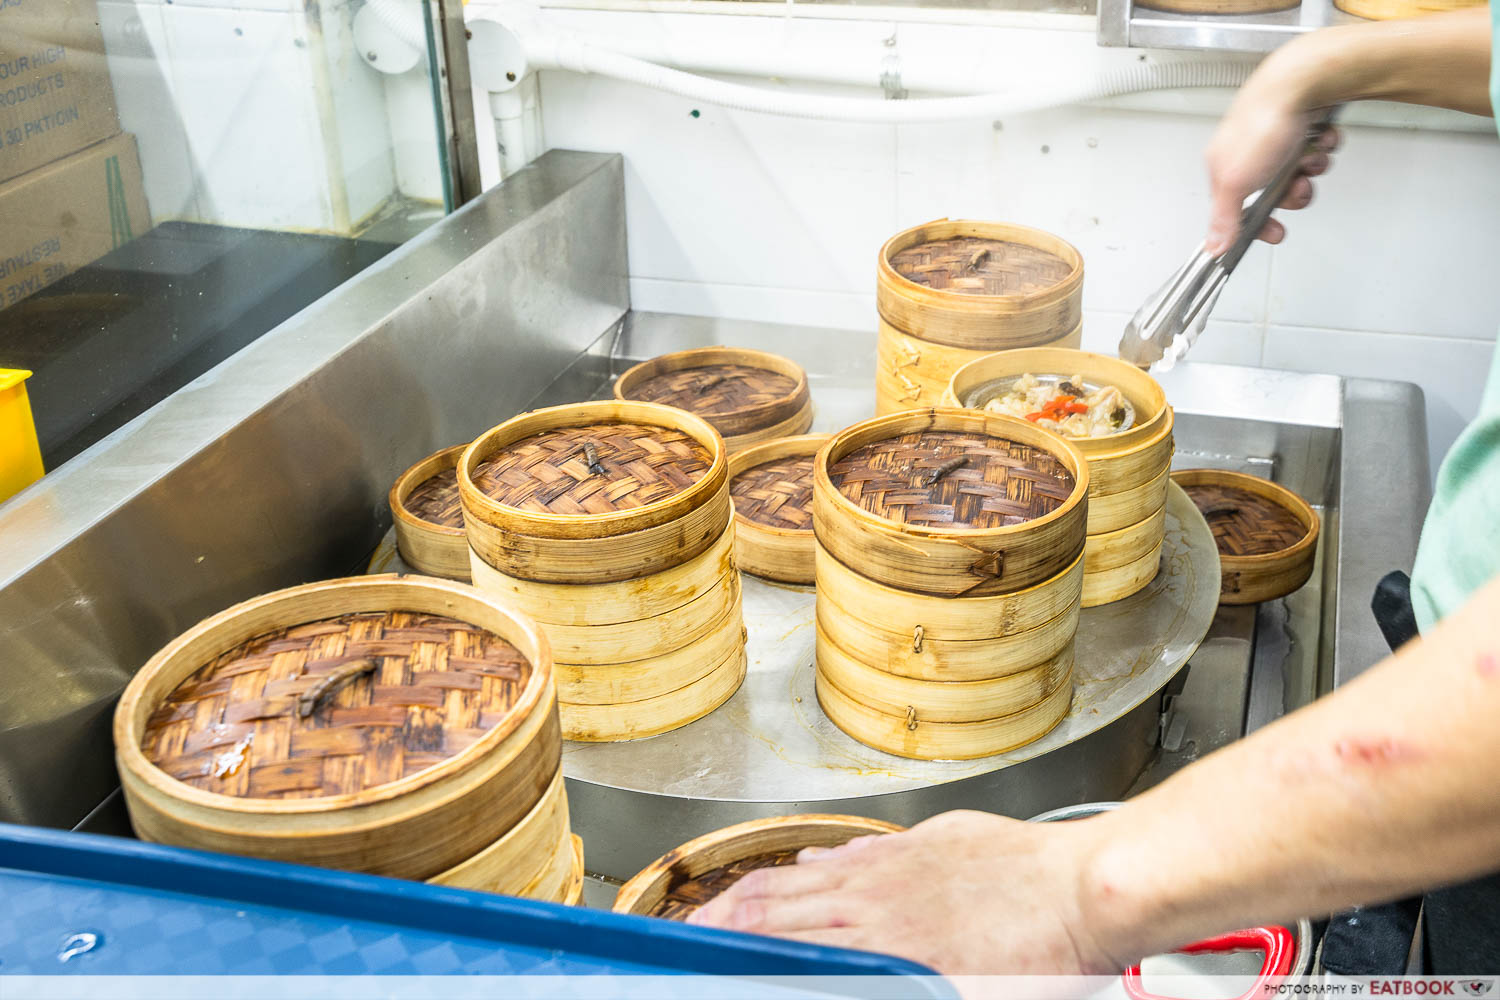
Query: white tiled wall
[(1391, 274)]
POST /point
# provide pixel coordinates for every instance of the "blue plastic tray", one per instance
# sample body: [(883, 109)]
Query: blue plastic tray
[(81, 903)]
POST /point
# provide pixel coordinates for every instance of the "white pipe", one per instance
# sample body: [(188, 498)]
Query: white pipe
[(402, 19), (509, 110), (545, 50)]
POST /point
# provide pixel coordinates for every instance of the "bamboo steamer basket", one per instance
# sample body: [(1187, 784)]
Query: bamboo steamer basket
[(1267, 535), (970, 286), (428, 517), (409, 771), (912, 735), (662, 499), (523, 861), (646, 641), (771, 486), (949, 538), (1133, 461), (1128, 471), (747, 395), (942, 701), (680, 881), (636, 720), (942, 638), (910, 372), (1381, 10)]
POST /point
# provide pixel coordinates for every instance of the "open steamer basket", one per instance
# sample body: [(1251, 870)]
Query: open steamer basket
[(1128, 469)]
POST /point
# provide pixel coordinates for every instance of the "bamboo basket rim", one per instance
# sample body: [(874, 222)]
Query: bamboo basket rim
[(1108, 444), (1264, 488), (770, 451), (679, 860), (619, 522), (554, 799), (719, 354), (416, 474), (927, 418), (946, 228), (456, 598)]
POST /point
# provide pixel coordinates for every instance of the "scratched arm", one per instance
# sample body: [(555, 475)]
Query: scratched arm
[(1384, 788)]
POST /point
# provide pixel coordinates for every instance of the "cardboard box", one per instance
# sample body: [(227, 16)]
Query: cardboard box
[(55, 94), (68, 214)]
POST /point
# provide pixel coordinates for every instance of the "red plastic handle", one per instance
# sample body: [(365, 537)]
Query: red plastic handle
[(1277, 943)]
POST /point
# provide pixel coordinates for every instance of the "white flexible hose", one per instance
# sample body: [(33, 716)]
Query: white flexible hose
[(402, 19), (580, 57)]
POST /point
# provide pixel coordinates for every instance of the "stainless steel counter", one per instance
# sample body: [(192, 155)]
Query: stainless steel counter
[(272, 469)]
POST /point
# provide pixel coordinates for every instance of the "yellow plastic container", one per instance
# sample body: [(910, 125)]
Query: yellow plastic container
[(20, 458)]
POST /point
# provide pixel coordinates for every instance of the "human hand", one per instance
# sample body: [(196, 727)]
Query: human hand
[(966, 893), (1266, 124)]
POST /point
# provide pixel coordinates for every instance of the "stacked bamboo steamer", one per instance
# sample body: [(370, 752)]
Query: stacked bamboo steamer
[(1128, 471), (748, 396), (396, 725), (949, 567), (610, 523), (951, 291), (678, 883)]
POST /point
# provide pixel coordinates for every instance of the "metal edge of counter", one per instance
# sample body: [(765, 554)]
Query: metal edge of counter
[(272, 468)]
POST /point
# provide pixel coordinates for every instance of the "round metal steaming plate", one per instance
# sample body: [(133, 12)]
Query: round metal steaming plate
[(770, 750)]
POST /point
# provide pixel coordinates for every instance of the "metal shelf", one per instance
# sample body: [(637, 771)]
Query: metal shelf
[(1124, 23)]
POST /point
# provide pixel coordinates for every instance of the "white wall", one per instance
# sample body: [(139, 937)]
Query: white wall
[(1389, 275)]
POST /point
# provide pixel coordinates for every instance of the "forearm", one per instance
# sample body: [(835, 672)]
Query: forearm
[(1389, 786), (1442, 60)]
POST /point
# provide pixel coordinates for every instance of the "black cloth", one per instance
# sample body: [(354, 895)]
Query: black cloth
[(1461, 929)]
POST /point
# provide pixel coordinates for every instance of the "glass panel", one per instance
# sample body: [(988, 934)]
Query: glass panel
[(176, 178)]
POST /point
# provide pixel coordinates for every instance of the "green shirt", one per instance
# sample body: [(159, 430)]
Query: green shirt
[(1460, 549)]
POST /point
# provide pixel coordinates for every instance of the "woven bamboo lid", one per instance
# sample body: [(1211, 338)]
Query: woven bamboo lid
[(979, 265), (336, 706), (599, 468), (979, 285), (738, 390), (777, 494), (1267, 535), (953, 479), (435, 499), (1243, 523)]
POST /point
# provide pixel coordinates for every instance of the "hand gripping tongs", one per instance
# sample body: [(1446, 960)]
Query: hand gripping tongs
[(1166, 327)]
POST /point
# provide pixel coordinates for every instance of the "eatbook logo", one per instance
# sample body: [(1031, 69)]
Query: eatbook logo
[(1478, 987)]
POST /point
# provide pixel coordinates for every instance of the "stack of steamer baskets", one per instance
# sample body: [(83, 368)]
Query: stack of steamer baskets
[(1129, 470), (949, 571), (403, 726), (952, 291), (610, 523)]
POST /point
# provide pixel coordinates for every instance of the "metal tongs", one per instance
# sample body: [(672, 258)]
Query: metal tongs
[(1169, 323)]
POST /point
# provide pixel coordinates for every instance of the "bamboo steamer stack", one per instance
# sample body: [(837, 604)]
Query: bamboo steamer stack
[(949, 567), (951, 291), (610, 523), (1128, 471), (396, 725), (678, 883), (748, 396)]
